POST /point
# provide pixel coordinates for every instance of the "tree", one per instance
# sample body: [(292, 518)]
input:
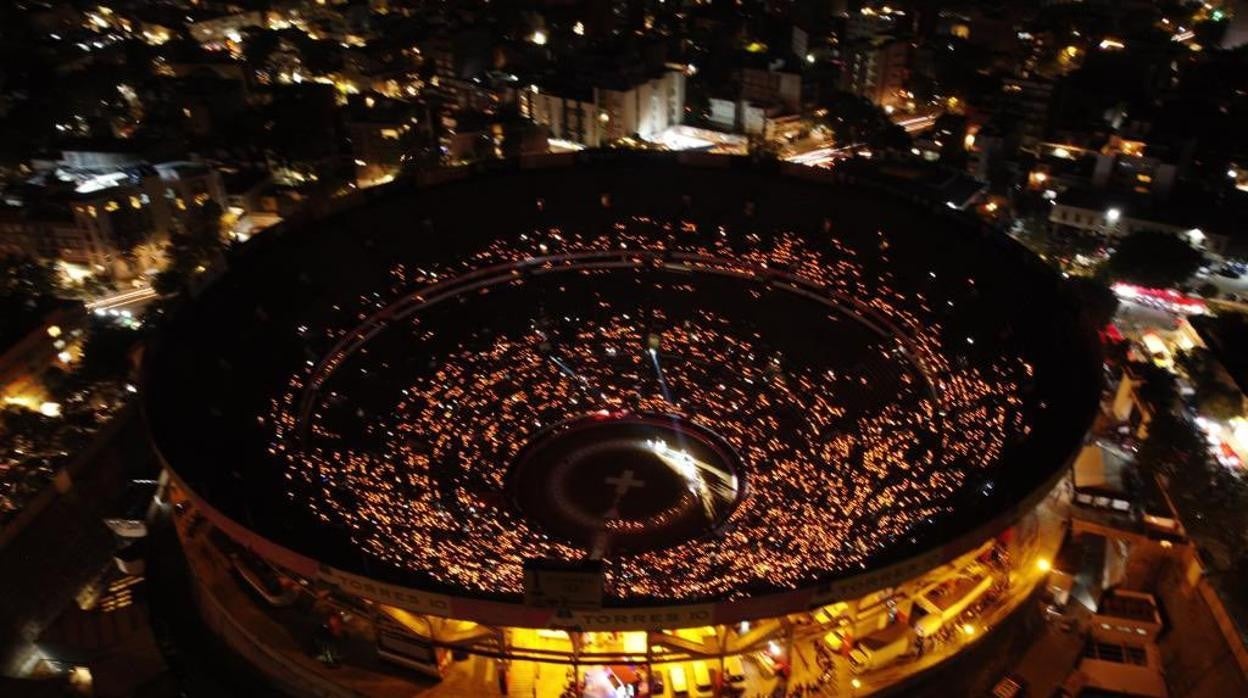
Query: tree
[(1154, 259), (56, 382), (106, 353), (320, 57), (26, 293), (259, 44), (1214, 396), (1158, 387), (1058, 247), (170, 280), (852, 118), (1218, 400), (1066, 244), (1097, 300), (28, 278), (1210, 33), (199, 244), (763, 149), (24, 422), (890, 137), (1174, 445), (202, 239), (1196, 362)]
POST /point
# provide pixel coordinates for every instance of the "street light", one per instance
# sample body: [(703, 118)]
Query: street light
[(1113, 214), (1044, 565)]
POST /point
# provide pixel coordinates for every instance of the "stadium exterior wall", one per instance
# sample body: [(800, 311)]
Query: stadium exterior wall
[(618, 618)]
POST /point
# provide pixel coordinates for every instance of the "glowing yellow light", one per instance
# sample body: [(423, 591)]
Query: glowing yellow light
[(1043, 564)]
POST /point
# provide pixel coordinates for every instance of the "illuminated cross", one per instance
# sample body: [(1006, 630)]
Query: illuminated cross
[(624, 483)]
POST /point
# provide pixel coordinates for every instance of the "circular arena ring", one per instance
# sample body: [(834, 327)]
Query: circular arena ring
[(722, 383)]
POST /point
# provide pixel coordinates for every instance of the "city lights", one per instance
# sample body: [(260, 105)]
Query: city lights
[(625, 349)]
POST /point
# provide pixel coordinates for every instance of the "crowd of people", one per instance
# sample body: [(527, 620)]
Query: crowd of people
[(847, 450)]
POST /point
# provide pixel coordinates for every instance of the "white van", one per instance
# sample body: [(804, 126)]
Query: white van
[(680, 684)]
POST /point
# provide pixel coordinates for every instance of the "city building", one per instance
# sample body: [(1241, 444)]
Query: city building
[(1025, 107), (1112, 214), (384, 133), (1128, 666), (604, 109), (1118, 165), (1109, 491), (30, 345), (772, 84), (765, 94), (107, 212), (470, 136), (754, 119), (218, 29), (877, 69)]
